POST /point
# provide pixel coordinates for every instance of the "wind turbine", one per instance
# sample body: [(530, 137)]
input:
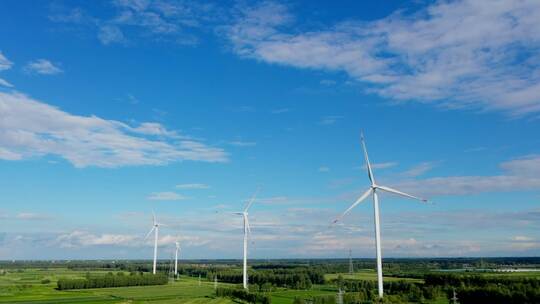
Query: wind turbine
[(177, 243), (247, 230), (374, 189), (155, 228)]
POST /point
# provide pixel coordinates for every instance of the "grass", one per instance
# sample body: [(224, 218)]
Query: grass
[(25, 287), (368, 275)]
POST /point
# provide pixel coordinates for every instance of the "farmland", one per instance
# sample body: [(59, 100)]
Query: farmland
[(31, 282)]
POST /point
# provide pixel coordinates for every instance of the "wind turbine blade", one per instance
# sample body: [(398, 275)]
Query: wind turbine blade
[(368, 165), (149, 232), (358, 201), (153, 217), (394, 191), (252, 200)]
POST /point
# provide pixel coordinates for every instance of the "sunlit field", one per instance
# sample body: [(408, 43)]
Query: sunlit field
[(31, 283)]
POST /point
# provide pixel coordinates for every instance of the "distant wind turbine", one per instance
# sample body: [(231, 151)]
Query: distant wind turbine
[(374, 189), (247, 231), (177, 243), (155, 228)]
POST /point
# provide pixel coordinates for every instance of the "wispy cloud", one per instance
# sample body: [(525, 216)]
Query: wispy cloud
[(420, 169), (166, 196), (324, 169), (31, 128), (42, 66), (241, 143), (280, 111), (164, 20), (330, 120), (5, 64), (5, 83), (518, 175), (459, 54), (381, 165), (192, 186), (31, 216)]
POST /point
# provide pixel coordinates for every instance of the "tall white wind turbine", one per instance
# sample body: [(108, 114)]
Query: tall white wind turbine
[(247, 232), (177, 244), (373, 190), (155, 228)]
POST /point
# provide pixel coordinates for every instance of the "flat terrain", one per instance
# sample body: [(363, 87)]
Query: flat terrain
[(367, 275), (37, 286), (25, 286)]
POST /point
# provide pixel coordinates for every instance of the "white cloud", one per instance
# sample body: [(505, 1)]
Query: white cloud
[(5, 83), (328, 82), (324, 169), (240, 143), (166, 196), (30, 128), (80, 238), (109, 34), (518, 175), (162, 20), (330, 120), (29, 216), (42, 66), (5, 64), (459, 54), (192, 186), (521, 238), (280, 111), (419, 169)]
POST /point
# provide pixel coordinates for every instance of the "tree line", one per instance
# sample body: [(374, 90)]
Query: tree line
[(112, 280), (294, 278)]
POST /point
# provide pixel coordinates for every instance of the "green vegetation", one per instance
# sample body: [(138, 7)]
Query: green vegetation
[(243, 295), (428, 281), (112, 280)]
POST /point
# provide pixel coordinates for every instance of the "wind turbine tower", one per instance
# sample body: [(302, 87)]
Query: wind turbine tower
[(374, 190), (247, 232), (177, 244), (155, 228)]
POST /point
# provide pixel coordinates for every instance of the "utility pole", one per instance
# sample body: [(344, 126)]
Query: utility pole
[(351, 269)]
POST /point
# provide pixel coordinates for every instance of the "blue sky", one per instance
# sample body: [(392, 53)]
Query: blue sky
[(112, 109)]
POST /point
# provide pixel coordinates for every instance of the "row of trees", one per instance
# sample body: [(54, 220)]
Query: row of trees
[(243, 295), (499, 294), (112, 280), (295, 278)]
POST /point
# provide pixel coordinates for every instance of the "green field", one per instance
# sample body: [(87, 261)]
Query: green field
[(38, 285), (26, 287), (367, 274)]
